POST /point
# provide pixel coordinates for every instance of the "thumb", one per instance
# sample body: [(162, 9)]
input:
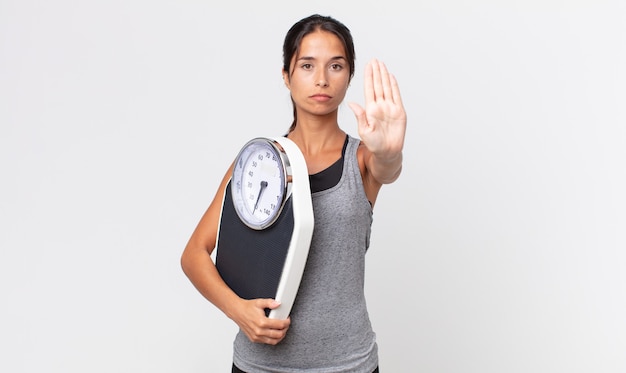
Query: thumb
[(358, 111), (361, 118), (268, 303)]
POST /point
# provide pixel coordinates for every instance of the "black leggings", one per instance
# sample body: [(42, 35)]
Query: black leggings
[(237, 370)]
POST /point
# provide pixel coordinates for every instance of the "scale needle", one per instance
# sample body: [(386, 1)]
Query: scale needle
[(263, 186)]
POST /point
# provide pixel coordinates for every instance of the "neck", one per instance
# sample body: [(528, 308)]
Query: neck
[(315, 138)]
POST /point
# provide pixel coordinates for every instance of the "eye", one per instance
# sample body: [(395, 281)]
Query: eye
[(306, 66), (336, 67)]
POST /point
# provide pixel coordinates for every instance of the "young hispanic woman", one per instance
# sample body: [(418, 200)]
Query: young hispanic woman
[(328, 329)]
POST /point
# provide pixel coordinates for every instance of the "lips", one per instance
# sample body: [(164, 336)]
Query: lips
[(320, 97)]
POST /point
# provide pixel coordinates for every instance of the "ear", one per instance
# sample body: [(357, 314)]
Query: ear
[(285, 78)]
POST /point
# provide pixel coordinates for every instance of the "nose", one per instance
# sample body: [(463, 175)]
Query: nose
[(321, 81)]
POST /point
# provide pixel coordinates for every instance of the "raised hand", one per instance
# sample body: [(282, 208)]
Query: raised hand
[(382, 124)]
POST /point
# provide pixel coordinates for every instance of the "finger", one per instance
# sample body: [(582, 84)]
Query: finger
[(267, 303), (385, 81), (272, 341), (276, 324), (395, 91), (377, 82), (359, 113), (368, 84), (273, 334), (276, 332)]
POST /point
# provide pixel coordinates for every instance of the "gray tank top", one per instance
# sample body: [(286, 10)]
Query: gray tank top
[(330, 327)]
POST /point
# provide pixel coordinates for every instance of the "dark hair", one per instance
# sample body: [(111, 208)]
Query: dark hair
[(305, 26)]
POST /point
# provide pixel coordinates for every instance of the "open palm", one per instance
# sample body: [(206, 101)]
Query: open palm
[(382, 124)]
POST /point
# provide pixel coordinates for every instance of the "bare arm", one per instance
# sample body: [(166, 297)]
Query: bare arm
[(198, 266)]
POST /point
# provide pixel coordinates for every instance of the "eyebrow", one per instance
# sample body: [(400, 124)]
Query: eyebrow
[(310, 58)]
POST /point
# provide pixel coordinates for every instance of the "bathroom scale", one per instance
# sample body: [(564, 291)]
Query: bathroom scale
[(266, 223)]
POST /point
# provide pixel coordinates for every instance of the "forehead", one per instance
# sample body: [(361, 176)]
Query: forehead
[(321, 43)]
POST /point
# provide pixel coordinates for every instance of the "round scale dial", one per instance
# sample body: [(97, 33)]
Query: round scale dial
[(259, 183)]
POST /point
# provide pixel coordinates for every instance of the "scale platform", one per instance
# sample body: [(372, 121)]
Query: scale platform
[(269, 263)]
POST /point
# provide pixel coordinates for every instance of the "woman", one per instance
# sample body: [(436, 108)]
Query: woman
[(329, 328)]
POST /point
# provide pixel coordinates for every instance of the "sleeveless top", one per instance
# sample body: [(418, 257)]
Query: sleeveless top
[(330, 328)]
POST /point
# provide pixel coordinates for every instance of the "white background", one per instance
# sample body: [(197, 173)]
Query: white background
[(502, 247)]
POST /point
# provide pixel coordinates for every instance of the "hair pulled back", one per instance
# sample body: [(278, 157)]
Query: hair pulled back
[(305, 26)]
